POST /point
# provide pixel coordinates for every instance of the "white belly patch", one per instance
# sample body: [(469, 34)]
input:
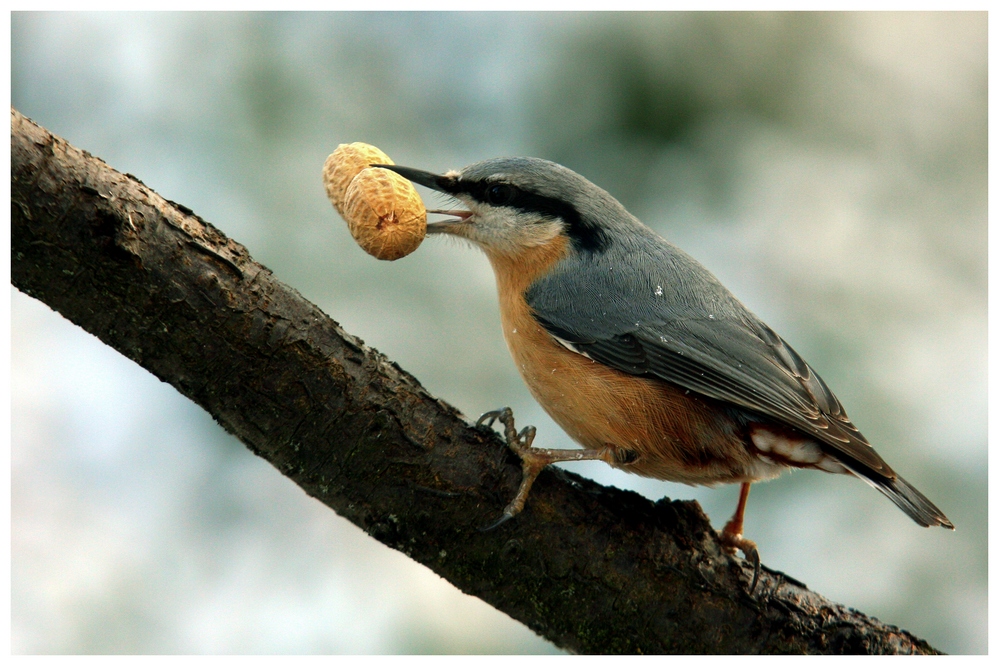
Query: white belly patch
[(781, 448)]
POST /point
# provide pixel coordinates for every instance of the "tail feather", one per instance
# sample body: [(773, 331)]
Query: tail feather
[(911, 501)]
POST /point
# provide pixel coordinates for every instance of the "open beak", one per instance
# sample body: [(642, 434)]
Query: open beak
[(444, 184)]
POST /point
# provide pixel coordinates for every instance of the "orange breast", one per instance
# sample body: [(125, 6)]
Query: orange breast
[(673, 434)]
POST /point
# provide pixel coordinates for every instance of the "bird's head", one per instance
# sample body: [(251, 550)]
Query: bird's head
[(517, 204)]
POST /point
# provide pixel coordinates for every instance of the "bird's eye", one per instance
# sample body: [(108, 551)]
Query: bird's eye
[(499, 194)]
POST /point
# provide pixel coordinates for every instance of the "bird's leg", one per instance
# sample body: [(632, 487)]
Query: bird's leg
[(732, 539), (532, 460)]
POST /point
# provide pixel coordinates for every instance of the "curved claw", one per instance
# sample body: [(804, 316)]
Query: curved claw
[(490, 417), (525, 438), (753, 556), (505, 517)]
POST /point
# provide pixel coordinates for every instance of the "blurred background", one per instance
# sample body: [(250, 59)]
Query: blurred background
[(829, 168)]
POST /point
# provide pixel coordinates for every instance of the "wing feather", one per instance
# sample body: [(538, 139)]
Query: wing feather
[(698, 336)]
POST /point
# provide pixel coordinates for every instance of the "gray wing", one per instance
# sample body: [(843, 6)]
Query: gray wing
[(661, 314)]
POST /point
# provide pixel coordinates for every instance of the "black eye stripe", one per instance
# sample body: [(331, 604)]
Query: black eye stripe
[(500, 194), (585, 237)]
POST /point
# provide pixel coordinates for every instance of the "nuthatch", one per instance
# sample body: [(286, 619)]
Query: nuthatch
[(639, 353)]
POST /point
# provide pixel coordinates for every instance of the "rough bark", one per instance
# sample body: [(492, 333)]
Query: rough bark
[(593, 569)]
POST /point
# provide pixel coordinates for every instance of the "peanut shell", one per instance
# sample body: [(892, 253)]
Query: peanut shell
[(385, 215), (348, 160)]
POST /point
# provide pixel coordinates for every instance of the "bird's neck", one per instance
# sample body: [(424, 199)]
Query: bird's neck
[(516, 272), (514, 276)]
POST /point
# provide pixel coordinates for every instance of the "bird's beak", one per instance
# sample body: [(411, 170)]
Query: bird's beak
[(445, 184), (425, 178)]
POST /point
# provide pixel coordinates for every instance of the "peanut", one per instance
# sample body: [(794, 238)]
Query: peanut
[(384, 213)]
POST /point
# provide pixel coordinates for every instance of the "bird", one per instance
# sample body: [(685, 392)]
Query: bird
[(640, 353)]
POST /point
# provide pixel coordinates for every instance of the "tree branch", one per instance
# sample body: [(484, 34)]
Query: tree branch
[(593, 569)]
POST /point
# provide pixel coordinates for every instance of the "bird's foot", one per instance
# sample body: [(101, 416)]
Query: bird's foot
[(532, 460), (516, 441), (519, 443), (732, 540)]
